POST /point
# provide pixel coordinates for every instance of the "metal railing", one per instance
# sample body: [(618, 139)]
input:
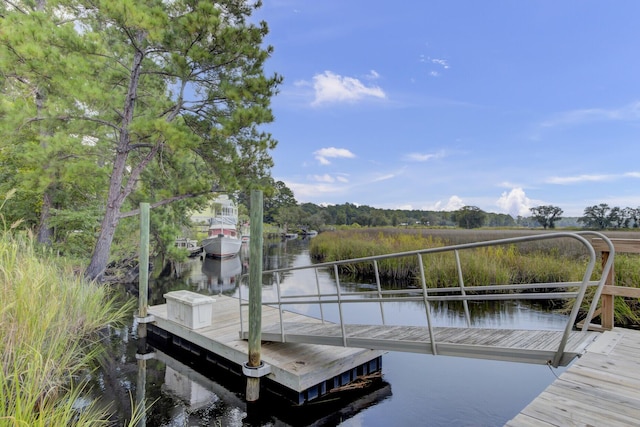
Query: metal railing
[(459, 292)]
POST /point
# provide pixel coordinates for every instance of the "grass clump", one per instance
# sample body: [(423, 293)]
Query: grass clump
[(49, 319)]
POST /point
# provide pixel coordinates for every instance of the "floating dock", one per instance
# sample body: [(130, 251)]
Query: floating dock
[(601, 388), (298, 372)]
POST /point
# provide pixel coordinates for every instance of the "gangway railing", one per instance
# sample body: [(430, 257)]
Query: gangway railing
[(575, 290)]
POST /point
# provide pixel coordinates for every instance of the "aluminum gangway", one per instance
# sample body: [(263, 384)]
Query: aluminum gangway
[(551, 347)]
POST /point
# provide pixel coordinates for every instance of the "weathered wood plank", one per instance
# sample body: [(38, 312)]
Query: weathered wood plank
[(602, 388), (563, 411), (502, 344)]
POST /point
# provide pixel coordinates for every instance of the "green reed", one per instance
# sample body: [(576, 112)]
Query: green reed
[(489, 265), (541, 261), (49, 319)]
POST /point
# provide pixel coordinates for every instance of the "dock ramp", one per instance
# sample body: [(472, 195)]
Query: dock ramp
[(552, 347)]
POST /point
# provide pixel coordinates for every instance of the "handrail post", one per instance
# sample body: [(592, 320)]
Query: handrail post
[(432, 336), (342, 327), (279, 300), (465, 303), (377, 272), (315, 270)]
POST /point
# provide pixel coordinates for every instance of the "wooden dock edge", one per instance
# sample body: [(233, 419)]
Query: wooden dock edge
[(601, 388), (299, 372)]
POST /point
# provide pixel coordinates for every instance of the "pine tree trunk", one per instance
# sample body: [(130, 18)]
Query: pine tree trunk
[(44, 231)]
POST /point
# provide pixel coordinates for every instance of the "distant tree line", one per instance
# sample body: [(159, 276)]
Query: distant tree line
[(603, 217), (282, 209)]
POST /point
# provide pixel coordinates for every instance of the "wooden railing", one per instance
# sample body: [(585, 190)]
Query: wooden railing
[(610, 290)]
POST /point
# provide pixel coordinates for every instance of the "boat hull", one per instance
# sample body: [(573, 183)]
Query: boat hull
[(221, 246)]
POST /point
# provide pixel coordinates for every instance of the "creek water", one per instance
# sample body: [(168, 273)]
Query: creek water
[(417, 389)]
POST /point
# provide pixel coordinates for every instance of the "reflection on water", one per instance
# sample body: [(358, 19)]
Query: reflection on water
[(418, 389)]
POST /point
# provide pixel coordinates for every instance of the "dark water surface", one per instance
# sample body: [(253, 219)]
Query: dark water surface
[(418, 389)]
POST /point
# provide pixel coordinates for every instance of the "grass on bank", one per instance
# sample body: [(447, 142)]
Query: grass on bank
[(556, 260), (49, 319)]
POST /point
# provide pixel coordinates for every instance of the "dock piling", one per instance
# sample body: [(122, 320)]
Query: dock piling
[(143, 265), (254, 368)]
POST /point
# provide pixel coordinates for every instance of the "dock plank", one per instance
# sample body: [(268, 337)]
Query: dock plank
[(502, 344), (602, 388)]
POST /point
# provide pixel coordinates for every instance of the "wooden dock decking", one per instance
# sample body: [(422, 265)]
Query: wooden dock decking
[(297, 367), (602, 388), (527, 346)]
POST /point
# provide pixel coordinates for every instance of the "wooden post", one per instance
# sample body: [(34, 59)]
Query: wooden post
[(143, 262), (255, 293), (607, 301)]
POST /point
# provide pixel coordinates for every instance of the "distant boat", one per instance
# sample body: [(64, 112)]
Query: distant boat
[(309, 233), (189, 244), (290, 236), (223, 238)]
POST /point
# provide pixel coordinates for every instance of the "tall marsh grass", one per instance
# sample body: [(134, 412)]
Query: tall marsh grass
[(526, 263), (49, 319), (541, 261)]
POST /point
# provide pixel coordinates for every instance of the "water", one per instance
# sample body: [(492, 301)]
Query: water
[(418, 389)]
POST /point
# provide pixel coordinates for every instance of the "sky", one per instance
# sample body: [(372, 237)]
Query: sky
[(440, 104)]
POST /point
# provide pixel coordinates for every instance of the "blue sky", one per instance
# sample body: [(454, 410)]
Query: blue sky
[(435, 105)]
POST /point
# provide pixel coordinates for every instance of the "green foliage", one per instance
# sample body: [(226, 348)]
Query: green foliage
[(470, 217), (547, 215), (278, 200), (104, 101), (596, 217), (49, 321)]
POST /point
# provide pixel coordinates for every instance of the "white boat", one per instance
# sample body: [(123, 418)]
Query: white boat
[(190, 245), (223, 238)]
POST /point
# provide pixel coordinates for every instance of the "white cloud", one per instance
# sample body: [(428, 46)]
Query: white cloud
[(383, 177), (632, 174), (442, 62), (304, 191), (453, 204), (507, 184), (328, 179), (323, 178), (404, 207), (330, 87), (324, 154), (373, 75), (423, 157), (563, 180), (629, 112), (515, 202)]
